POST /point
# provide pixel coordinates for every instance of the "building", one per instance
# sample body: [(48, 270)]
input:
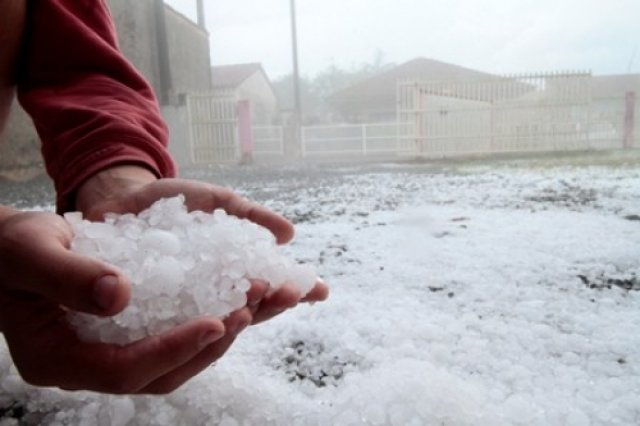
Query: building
[(375, 99), (444, 109), (167, 47), (247, 82), (170, 50)]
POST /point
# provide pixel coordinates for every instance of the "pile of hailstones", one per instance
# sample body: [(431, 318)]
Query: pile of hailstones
[(181, 264)]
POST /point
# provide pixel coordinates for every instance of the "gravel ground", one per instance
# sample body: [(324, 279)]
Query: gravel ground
[(255, 180), (482, 293)]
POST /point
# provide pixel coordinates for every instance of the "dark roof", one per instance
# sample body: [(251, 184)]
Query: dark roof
[(232, 76), (382, 87), (605, 86)]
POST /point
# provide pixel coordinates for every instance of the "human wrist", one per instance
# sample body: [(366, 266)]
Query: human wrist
[(110, 182)]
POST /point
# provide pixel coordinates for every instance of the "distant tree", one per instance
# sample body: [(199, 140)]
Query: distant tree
[(314, 91), (283, 86)]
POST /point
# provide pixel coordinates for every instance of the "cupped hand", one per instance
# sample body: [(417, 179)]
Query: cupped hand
[(131, 189), (40, 279)]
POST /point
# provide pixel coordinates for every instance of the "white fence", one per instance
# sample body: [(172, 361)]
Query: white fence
[(352, 139), (615, 123), (214, 133), (268, 141), (214, 129), (523, 113), (539, 112)]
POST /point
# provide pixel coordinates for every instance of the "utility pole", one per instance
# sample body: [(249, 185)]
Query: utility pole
[(297, 106), (201, 19), (166, 94)]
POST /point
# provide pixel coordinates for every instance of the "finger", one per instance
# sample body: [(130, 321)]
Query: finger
[(278, 301), (318, 293), (245, 209), (207, 197), (257, 292), (128, 369), (78, 282), (235, 323), (218, 197)]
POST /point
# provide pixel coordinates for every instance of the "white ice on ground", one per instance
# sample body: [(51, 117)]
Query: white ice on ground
[(455, 301), (182, 265)]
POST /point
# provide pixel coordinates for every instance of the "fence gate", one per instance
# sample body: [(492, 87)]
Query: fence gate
[(214, 129), (515, 113)]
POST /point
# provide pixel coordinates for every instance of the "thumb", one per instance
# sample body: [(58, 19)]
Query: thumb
[(75, 281)]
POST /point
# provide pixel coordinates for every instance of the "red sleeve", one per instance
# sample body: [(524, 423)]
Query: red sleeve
[(91, 108)]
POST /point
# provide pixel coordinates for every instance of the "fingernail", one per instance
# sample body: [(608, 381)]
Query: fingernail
[(105, 291), (208, 337)]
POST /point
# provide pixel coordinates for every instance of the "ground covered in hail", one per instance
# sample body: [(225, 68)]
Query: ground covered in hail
[(461, 295)]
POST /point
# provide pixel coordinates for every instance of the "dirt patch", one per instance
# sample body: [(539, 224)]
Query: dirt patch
[(566, 195), (310, 361), (602, 281)]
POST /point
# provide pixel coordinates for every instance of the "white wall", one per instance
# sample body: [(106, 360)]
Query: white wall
[(264, 103), (177, 120)]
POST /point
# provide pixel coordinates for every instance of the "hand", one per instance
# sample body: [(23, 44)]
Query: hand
[(40, 279), (131, 189)]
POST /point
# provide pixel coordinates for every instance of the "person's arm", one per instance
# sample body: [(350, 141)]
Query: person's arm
[(91, 107), (12, 16), (94, 113), (104, 145), (104, 140)]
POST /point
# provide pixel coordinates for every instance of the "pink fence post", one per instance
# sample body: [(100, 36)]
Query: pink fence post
[(245, 133), (629, 119)]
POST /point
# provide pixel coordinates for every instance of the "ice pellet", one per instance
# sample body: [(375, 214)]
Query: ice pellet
[(181, 264)]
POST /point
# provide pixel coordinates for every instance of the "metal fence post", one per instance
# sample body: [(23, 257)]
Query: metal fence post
[(364, 139), (245, 133), (629, 119), (303, 142)]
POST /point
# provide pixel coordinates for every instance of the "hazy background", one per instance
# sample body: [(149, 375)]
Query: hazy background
[(352, 56), (496, 36)]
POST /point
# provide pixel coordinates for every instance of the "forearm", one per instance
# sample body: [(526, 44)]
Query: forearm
[(92, 109), (12, 16)]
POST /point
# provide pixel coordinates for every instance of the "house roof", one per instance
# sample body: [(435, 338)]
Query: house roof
[(232, 76), (604, 86), (382, 87)]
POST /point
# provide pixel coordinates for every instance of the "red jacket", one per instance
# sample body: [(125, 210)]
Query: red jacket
[(91, 108)]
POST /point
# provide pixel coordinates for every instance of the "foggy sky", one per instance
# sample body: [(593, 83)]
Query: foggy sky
[(498, 36)]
